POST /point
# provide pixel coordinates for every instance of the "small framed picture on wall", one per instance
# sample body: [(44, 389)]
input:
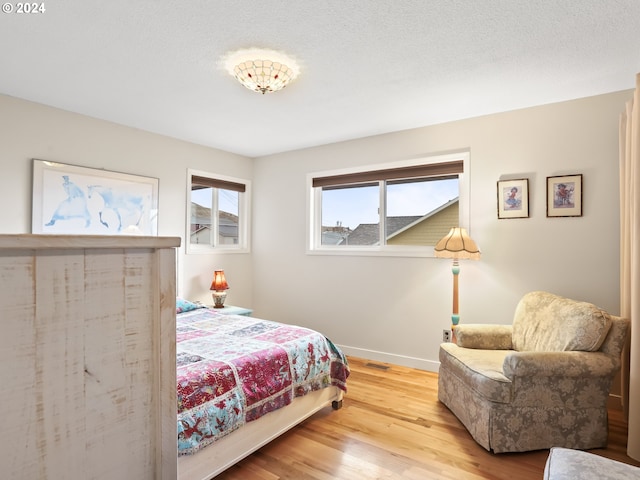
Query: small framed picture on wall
[(513, 198), (564, 196)]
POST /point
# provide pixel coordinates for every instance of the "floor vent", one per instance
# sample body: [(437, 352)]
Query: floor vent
[(377, 366)]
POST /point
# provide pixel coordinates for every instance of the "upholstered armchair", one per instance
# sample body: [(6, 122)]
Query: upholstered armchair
[(541, 382)]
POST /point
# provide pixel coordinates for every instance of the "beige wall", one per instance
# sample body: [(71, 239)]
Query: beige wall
[(395, 309), (391, 308), (29, 130)]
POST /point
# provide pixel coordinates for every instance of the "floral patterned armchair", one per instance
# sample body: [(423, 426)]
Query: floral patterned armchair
[(541, 382)]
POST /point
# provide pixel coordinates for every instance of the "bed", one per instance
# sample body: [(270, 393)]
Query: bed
[(88, 347), (242, 381)]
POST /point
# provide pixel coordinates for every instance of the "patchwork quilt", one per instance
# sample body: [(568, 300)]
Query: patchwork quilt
[(233, 369)]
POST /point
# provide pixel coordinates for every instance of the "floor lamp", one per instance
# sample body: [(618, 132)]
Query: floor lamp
[(456, 245)]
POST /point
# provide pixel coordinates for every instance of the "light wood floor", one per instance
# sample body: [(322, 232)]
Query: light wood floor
[(392, 426)]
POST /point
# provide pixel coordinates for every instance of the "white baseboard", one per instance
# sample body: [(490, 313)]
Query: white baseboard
[(405, 361)]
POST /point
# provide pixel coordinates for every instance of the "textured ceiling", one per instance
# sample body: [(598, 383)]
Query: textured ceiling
[(368, 67)]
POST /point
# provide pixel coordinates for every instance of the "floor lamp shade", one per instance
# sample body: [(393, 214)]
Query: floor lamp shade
[(456, 245)]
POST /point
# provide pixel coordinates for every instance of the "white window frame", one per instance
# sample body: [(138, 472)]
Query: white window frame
[(314, 210), (244, 212)]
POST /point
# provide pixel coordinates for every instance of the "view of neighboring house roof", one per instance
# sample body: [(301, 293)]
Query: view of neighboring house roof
[(334, 235), (199, 214), (230, 231), (368, 233), (201, 218), (423, 218)]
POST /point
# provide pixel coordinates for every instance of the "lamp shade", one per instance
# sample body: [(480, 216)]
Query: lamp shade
[(457, 244), (219, 283)]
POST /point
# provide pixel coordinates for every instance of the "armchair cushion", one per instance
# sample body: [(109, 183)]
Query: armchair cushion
[(559, 364), (482, 367), (546, 322), (489, 337)]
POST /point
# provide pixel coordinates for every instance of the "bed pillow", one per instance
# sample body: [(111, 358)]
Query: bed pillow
[(183, 305)]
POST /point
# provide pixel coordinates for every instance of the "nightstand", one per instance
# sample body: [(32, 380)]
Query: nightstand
[(233, 310)]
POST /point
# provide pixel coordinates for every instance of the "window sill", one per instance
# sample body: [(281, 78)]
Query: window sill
[(418, 252)]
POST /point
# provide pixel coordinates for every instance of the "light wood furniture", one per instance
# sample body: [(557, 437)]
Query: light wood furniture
[(87, 364), (87, 357)]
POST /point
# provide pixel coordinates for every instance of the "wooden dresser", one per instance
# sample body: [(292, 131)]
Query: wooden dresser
[(87, 357)]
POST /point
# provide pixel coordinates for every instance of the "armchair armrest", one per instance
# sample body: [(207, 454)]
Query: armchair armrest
[(484, 336), (560, 364)]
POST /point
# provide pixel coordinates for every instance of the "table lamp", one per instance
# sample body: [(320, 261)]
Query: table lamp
[(456, 245), (219, 287)]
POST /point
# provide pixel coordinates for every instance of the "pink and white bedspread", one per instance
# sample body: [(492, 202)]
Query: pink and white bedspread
[(233, 369)]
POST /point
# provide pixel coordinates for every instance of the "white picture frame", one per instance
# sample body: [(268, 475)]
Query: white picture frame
[(76, 200)]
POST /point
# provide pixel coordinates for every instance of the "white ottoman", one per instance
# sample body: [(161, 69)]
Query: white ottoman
[(567, 464)]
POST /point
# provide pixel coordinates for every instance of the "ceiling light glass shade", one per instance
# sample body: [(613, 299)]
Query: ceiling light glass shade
[(261, 70)]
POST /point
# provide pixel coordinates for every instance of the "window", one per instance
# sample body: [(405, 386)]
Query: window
[(217, 213), (397, 209)]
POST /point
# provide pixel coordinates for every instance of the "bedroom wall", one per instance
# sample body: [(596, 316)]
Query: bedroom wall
[(341, 296), (29, 130), (402, 322)]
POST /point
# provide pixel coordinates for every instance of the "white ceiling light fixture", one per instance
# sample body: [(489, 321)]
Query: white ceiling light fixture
[(261, 70)]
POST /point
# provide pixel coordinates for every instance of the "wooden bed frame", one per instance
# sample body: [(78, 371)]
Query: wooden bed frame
[(87, 364)]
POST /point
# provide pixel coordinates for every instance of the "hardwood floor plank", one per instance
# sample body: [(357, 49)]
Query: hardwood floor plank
[(392, 426)]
